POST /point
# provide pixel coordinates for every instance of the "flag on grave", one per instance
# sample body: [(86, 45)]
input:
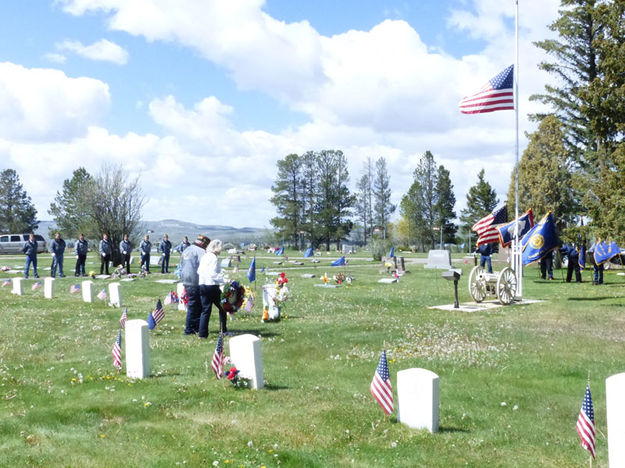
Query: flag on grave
[(156, 315), (251, 271), (123, 318), (217, 364), (586, 423), (102, 294), (391, 253), (171, 298), (309, 252), (74, 288), (339, 262), (506, 231), (36, 286), (6, 282), (280, 251), (381, 387), (540, 240), (486, 228), (497, 94), (184, 298), (117, 351)]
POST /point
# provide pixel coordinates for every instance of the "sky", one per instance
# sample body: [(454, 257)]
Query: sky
[(201, 98)]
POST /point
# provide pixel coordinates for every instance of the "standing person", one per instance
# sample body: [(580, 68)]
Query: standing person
[(183, 245), (210, 279), (546, 266), (485, 251), (597, 269), (573, 265), (57, 248), (81, 248), (125, 247), (106, 250), (165, 249), (30, 249), (145, 247), (189, 264)]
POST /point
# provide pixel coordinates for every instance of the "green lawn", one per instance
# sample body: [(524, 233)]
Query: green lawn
[(511, 380)]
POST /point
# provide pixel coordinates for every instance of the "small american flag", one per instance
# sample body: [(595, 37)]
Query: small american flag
[(117, 351), (184, 298), (37, 285), (6, 282), (74, 288), (486, 227), (217, 363), (156, 315), (496, 95), (124, 317), (102, 295), (586, 423), (381, 387)]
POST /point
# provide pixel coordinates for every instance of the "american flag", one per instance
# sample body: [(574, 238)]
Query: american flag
[(102, 295), (37, 285), (217, 363), (496, 95), (381, 387), (586, 423), (117, 351), (156, 315), (124, 317), (74, 288), (486, 227), (6, 282)]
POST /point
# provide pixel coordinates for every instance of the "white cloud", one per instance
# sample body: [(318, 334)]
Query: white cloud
[(45, 104), (55, 58), (102, 50)]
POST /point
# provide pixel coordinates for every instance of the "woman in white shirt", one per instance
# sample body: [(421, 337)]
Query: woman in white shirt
[(211, 278)]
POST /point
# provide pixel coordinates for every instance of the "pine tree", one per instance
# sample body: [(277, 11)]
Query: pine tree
[(381, 189), (481, 200), (17, 212), (70, 209), (445, 205), (287, 189)]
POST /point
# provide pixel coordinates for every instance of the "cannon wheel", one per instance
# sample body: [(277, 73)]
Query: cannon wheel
[(506, 286), (477, 284)]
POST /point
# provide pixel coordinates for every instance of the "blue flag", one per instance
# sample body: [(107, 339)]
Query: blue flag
[(339, 262), (280, 251), (309, 252), (582, 257), (251, 271), (506, 231), (391, 254), (604, 252), (540, 240)]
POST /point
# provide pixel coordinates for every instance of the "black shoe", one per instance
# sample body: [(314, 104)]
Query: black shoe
[(36, 276), (52, 276), (61, 276)]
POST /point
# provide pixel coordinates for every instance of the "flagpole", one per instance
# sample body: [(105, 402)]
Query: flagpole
[(516, 255)]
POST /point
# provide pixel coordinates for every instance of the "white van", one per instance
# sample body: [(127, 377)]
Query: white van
[(13, 243)]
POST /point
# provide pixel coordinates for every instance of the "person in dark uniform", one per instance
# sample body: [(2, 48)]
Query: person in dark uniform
[(81, 248), (485, 251), (57, 248), (125, 247), (145, 247), (597, 270), (106, 250), (573, 255), (189, 263), (546, 266), (183, 245), (165, 249), (30, 249)]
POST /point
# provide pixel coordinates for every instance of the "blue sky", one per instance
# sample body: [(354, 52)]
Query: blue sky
[(200, 98)]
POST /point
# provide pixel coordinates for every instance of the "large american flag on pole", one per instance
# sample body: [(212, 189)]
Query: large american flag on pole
[(217, 364), (486, 227), (496, 95), (117, 351), (381, 387), (586, 423)]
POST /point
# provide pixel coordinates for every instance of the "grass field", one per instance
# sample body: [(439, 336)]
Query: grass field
[(512, 380)]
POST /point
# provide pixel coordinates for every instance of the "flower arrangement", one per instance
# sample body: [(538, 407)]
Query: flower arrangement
[(119, 272), (233, 375), (282, 291), (339, 278), (232, 296), (281, 280)]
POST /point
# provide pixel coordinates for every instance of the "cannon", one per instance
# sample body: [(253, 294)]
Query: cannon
[(502, 284)]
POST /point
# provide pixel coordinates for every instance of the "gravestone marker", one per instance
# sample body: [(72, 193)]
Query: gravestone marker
[(417, 399), (137, 349), (48, 287), (309, 275), (439, 259), (615, 409), (401, 265), (387, 280), (18, 288), (247, 358), (115, 294), (87, 291), (269, 303), (180, 292)]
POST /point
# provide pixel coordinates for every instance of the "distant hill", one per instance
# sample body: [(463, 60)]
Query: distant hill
[(178, 229)]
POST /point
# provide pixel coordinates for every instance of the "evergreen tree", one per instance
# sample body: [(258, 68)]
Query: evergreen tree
[(310, 184), (288, 190), (445, 205), (411, 210), (70, 209), (17, 212), (481, 200), (362, 204), (381, 189)]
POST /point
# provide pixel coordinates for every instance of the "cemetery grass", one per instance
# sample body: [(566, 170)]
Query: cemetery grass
[(512, 379)]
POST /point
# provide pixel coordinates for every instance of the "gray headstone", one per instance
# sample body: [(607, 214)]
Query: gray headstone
[(246, 356), (440, 259), (615, 408), (417, 399), (137, 349)]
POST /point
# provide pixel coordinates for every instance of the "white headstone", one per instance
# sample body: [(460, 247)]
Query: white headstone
[(180, 292), (269, 303), (87, 291), (417, 399), (309, 275), (115, 294), (387, 280), (439, 259), (17, 286), (615, 408), (48, 287), (247, 358), (137, 349)]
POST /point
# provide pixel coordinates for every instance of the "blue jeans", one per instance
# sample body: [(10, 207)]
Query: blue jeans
[(30, 260), (57, 261), (211, 295), (598, 274), (165, 264), (194, 309), (485, 259)]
